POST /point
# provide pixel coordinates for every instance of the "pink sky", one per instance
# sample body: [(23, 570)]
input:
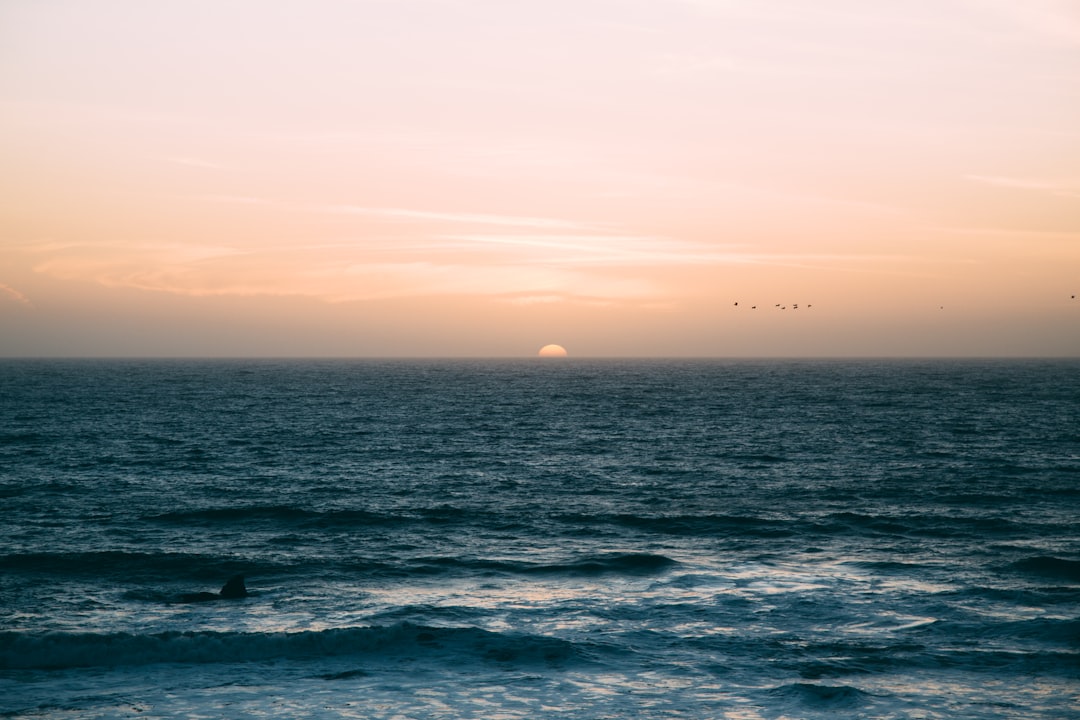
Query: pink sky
[(482, 178)]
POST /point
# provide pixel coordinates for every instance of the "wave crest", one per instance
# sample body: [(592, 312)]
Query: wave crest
[(1049, 567), (53, 651), (833, 697), (614, 563)]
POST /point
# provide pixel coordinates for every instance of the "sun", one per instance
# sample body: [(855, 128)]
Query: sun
[(552, 351)]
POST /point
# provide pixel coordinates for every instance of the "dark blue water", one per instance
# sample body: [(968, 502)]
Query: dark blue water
[(531, 538)]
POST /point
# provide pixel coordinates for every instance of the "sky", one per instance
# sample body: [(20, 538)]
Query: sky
[(480, 178)]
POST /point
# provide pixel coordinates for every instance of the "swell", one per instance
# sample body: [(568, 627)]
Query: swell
[(1049, 567), (614, 563), (285, 516), (989, 526), (705, 525), (54, 651), (1023, 648), (168, 567), (840, 524), (271, 513), (130, 565), (821, 697)]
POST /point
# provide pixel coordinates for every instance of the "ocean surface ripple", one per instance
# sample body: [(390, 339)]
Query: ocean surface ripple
[(524, 539)]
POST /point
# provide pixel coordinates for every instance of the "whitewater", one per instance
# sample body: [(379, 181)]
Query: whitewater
[(543, 537)]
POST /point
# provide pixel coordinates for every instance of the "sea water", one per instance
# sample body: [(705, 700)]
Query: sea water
[(535, 538)]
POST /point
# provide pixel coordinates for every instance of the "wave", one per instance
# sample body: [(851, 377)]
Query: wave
[(632, 563), (351, 518), (284, 518), (1047, 597), (934, 525), (1049, 567), (692, 525), (129, 565), (822, 697), (1042, 630), (171, 567), (830, 525), (615, 563), (23, 437), (892, 567), (55, 651), (11, 490), (841, 660), (276, 513)]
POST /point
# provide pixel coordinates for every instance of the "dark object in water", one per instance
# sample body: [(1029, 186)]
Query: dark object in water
[(233, 589)]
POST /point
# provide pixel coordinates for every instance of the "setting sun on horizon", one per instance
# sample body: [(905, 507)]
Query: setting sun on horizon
[(444, 178), (552, 351)]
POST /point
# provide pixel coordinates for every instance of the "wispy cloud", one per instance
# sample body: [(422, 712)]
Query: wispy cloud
[(582, 249), (453, 217), (195, 163), (334, 272), (523, 268), (651, 251), (535, 299), (414, 214), (10, 293), (157, 252), (1054, 187), (1056, 19), (675, 65)]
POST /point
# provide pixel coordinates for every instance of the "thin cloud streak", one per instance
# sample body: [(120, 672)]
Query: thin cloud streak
[(590, 248), (646, 250), (195, 163), (412, 214), (6, 291), (1054, 19), (492, 265), (466, 218), (1071, 190)]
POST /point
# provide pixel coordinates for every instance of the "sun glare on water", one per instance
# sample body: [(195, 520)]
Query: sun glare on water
[(552, 351)]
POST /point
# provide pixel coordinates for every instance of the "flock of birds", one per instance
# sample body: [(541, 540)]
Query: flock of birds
[(795, 306)]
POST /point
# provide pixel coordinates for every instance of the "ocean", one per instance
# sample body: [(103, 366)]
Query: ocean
[(540, 537)]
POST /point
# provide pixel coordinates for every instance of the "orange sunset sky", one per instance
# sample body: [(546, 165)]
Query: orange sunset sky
[(484, 177)]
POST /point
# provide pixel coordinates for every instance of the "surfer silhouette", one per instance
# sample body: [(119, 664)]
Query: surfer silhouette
[(233, 589)]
